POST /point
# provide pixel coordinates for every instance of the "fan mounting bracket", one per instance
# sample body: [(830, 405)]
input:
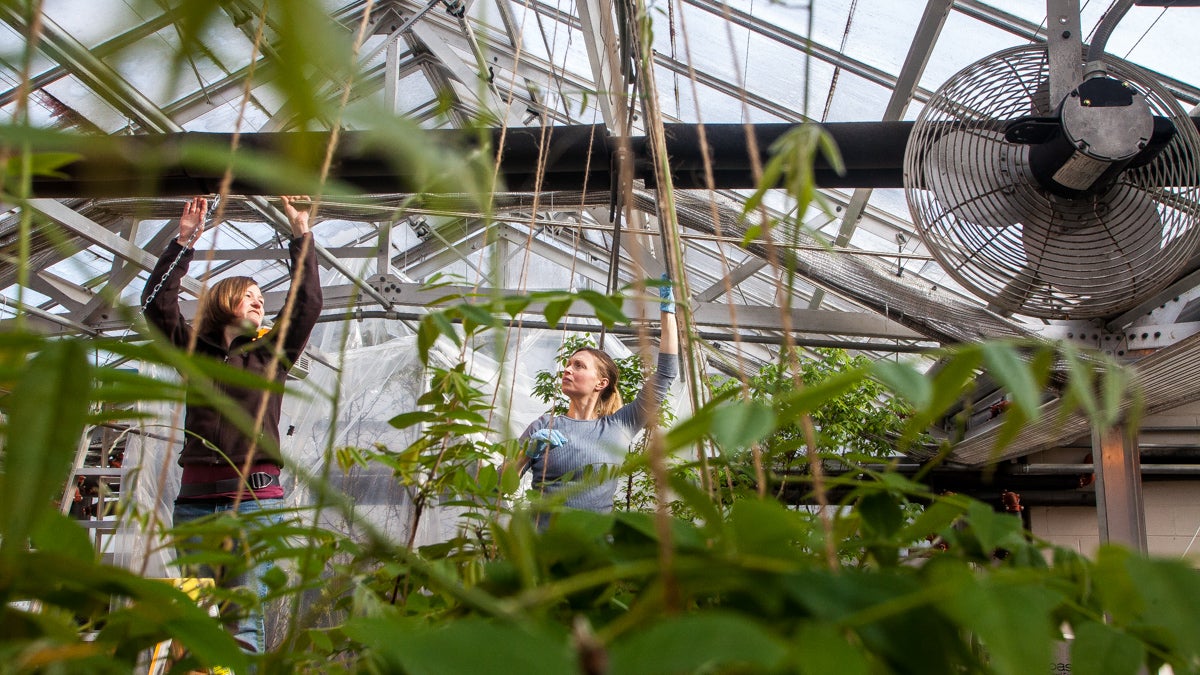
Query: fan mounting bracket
[(1089, 335), (1065, 46)]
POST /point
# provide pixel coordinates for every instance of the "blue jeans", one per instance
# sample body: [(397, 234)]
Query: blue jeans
[(249, 629)]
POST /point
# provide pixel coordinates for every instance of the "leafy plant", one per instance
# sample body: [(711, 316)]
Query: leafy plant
[(733, 585), (861, 422)]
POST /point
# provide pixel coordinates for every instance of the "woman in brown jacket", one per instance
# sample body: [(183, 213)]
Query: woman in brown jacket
[(224, 468)]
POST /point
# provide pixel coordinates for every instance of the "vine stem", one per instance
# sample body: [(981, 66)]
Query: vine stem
[(668, 221)]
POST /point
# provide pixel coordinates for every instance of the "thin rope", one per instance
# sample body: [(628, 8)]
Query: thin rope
[(1188, 548), (298, 278), (21, 116), (837, 70), (1145, 33)]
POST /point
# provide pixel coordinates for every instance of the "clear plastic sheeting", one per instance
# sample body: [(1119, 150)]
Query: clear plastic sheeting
[(149, 483), (373, 384), (376, 383)]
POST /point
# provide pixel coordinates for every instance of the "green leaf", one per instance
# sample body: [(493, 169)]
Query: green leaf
[(1011, 618), (45, 423), (446, 327), (44, 163), (555, 310), (1170, 594), (469, 645), (427, 335), (958, 369), (1115, 388), (689, 431), (905, 380), (934, 518), (474, 315), (822, 648), (1080, 383), (791, 406), (703, 642), (607, 309), (740, 424), (510, 479), (1103, 650), (57, 533), (993, 530), (1006, 366), (881, 513), (700, 502), (766, 528), (410, 419), (515, 304)]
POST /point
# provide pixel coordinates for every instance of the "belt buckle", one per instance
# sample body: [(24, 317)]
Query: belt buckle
[(260, 480)]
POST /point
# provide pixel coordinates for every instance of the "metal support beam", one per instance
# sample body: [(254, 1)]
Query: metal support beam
[(107, 48), (277, 220), (122, 274), (1119, 505), (403, 294), (64, 292), (474, 87), (1065, 45), (736, 276), (94, 73), (100, 236), (602, 43), (391, 76), (554, 254), (822, 322)]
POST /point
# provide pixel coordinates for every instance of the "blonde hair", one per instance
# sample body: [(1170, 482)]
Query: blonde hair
[(609, 401), (221, 301)]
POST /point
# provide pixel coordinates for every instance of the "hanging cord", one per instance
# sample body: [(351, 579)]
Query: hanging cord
[(1189, 546), (21, 116), (714, 212), (837, 70), (298, 280)]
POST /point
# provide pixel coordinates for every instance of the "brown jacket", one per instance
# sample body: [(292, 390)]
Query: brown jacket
[(205, 425)]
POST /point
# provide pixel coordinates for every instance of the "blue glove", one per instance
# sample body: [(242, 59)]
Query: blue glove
[(666, 293), (542, 440)]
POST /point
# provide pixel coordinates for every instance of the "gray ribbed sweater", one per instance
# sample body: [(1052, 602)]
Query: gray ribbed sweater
[(583, 468)]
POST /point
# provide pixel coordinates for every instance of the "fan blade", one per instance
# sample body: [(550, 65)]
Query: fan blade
[(973, 173), (1115, 238)]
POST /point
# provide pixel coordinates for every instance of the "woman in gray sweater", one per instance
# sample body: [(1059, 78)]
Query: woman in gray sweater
[(574, 456)]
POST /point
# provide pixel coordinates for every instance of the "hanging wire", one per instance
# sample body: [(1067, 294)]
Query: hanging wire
[(1145, 33), (837, 70)]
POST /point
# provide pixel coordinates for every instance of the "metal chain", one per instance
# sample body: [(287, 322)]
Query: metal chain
[(212, 209)]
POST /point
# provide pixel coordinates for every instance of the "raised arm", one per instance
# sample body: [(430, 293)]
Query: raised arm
[(654, 390), (668, 342), (297, 209), (306, 280), (161, 295), (191, 223)]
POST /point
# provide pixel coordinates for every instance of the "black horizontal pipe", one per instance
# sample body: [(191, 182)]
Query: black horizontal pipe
[(545, 158)]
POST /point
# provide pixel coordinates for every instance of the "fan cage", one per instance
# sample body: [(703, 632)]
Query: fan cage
[(1018, 247)]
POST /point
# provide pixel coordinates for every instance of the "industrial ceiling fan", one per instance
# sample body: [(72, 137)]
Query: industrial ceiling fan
[(1054, 185)]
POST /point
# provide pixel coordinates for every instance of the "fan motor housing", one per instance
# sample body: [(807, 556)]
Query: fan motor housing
[(1103, 124)]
